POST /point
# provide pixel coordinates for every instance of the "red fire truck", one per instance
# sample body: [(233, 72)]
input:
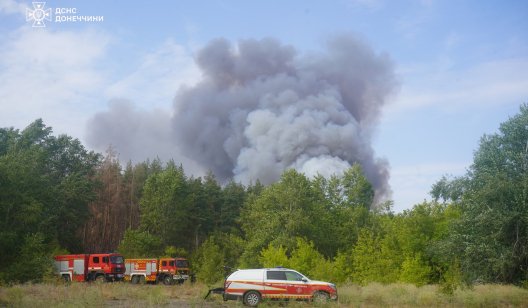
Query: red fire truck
[(90, 267), (166, 270)]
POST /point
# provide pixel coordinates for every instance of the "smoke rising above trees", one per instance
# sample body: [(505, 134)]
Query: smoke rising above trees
[(263, 107)]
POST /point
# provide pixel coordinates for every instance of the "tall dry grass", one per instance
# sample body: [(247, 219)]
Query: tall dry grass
[(101, 295), (407, 295), (187, 295)]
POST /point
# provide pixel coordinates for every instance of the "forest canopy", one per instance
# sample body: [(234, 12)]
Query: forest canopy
[(58, 197)]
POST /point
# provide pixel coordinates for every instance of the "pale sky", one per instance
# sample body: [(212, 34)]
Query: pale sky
[(462, 67)]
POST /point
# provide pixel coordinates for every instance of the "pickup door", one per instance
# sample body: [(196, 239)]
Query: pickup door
[(297, 288), (285, 284)]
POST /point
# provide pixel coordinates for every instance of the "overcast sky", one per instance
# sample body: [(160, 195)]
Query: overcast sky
[(461, 69)]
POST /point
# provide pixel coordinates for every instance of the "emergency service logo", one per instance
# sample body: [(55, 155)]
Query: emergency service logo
[(38, 15)]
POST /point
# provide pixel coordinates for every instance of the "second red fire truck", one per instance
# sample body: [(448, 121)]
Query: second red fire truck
[(166, 270)]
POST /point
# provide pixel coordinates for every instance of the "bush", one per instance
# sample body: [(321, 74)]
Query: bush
[(415, 271), (209, 263), (274, 256), (307, 260), (34, 262), (337, 271), (451, 279), (305, 257), (343, 268)]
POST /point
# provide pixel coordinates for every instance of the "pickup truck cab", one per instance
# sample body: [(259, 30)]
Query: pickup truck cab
[(253, 285)]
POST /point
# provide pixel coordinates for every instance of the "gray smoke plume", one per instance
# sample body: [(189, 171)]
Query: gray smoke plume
[(261, 108), (136, 134)]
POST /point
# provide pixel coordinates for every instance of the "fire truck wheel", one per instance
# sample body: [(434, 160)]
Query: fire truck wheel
[(100, 279), (135, 279), (142, 280), (66, 278), (167, 280), (252, 298)]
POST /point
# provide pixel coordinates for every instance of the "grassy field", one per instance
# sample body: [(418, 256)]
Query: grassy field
[(373, 295)]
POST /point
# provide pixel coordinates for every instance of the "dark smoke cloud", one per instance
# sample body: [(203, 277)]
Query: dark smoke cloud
[(261, 108)]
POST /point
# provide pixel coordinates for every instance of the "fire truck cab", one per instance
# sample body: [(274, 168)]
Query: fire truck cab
[(253, 285), (176, 268)]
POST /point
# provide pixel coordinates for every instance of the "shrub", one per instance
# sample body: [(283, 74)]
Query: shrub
[(209, 263), (305, 258), (34, 261), (415, 271), (274, 256)]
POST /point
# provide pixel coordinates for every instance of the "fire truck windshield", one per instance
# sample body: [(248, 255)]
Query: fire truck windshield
[(182, 263), (116, 259)]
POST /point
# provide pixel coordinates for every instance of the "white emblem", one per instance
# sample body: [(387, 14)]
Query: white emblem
[(38, 14)]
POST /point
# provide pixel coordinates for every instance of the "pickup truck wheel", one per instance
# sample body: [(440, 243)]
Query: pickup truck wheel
[(321, 297), (167, 280), (252, 298)]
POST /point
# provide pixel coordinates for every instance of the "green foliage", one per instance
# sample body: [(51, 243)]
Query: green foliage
[(408, 247), (272, 256), (46, 185), (475, 230), (415, 271), (346, 201), (356, 189), (342, 269), (370, 260), (33, 261), (282, 212), (165, 207), (449, 190), (451, 279), (327, 212), (184, 211), (209, 262), (305, 258), (173, 252), (217, 257), (231, 245), (140, 244), (491, 237), (232, 198), (325, 270)]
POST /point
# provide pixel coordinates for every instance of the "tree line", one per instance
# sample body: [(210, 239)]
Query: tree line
[(57, 197)]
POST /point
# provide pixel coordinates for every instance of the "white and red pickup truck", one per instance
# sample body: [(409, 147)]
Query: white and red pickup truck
[(253, 285)]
